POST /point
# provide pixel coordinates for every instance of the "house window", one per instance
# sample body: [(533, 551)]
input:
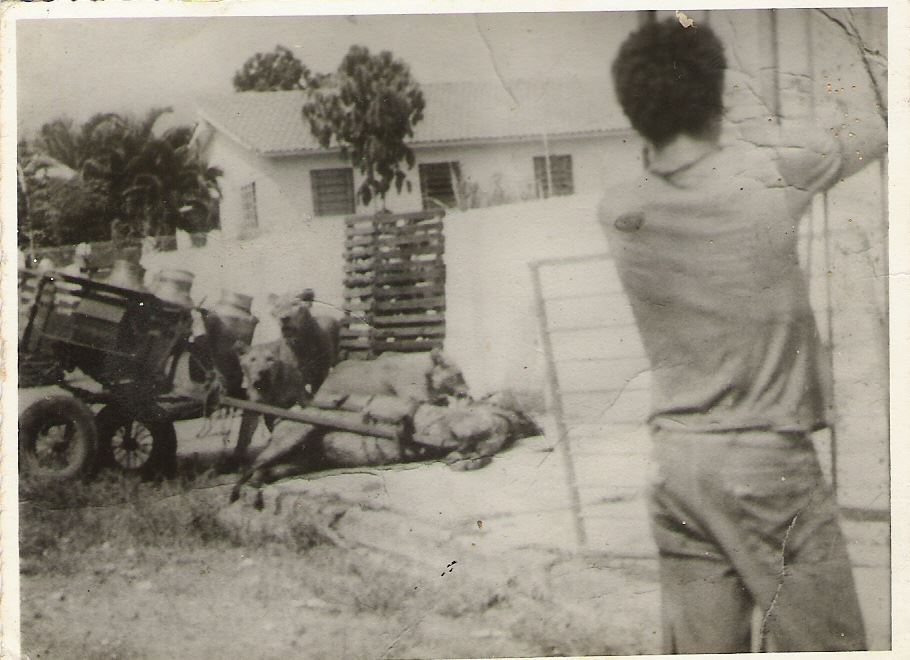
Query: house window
[(560, 175), (248, 205), (333, 191), (438, 183)]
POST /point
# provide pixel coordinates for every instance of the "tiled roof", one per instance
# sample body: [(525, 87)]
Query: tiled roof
[(271, 123)]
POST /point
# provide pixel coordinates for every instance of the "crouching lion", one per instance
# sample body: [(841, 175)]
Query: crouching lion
[(429, 377)]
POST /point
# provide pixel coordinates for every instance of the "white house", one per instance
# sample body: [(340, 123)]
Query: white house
[(478, 144)]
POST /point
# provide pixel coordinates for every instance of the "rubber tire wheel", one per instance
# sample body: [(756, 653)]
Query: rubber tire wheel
[(162, 459), (56, 410)]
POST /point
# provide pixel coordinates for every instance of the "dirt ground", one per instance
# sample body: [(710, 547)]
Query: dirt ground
[(413, 561), (121, 569)]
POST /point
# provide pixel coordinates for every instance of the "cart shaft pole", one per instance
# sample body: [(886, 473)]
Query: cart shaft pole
[(336, 420)]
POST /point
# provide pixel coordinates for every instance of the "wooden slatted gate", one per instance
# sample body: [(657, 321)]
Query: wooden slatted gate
[(394, 283)]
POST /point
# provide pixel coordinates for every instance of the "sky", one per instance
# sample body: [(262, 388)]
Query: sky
[(76, 67)]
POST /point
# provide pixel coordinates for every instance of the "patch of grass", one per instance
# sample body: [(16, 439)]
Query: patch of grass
[(558, 631), (305, 532), (380, 585), (59, 521)]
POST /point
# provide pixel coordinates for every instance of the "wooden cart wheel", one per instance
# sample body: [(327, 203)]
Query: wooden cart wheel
[(146, 448), (57, 438)]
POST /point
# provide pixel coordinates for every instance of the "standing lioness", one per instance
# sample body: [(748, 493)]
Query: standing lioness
[(312, 338)]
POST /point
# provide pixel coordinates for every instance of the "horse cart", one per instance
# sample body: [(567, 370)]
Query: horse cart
[(114, 352), (110, 349)]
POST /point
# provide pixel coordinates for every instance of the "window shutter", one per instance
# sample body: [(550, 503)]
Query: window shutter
[(560, 174), (248, 205), (333, 191), (437, 184)]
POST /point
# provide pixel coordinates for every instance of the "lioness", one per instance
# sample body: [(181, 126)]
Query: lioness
[(421, 377), (271, 376), (291, 369), (313, 338)]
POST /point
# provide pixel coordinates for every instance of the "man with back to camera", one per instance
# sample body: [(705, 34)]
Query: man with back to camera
[(706, 248)]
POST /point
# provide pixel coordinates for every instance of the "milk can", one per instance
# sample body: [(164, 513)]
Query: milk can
[(174, 286), (234, 311), (127, 275)]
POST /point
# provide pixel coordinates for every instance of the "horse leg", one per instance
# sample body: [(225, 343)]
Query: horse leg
[(282, 471), (287, 437), (248, 423)]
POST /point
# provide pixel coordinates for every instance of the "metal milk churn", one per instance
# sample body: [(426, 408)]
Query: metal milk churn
[(174, 286), (127, 275), (233, 309)]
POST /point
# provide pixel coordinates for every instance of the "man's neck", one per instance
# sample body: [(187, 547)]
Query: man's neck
[(684, 151)]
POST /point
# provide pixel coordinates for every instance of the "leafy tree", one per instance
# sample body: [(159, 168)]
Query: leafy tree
[(122, 175), (269, 72), (55, 204), (368, 109), (64, 212)]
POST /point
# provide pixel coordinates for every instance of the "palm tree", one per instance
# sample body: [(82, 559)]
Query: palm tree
[(139, 183), (171, 187), (58, 140)]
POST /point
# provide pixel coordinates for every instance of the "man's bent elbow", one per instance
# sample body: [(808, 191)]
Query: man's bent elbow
[(862, 143)]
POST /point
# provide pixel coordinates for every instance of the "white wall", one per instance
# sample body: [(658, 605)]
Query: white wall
[(491, 318), (241, 167)]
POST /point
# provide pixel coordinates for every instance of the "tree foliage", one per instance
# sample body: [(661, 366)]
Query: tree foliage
[(270, 72), (123, 176), (368, 109)]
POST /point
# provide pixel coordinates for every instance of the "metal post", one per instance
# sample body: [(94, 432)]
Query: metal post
[(886, 238), (546, 145), (811, 66), (546, 152), (775, 66), (555, 400), (829, 309)]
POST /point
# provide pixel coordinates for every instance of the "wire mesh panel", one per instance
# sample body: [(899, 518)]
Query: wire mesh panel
[(598, 383), (596, 355)]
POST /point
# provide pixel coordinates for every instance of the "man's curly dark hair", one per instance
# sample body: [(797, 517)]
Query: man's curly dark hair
[(669, 80)]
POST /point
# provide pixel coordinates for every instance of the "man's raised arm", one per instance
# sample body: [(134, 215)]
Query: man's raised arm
[(834, 129)]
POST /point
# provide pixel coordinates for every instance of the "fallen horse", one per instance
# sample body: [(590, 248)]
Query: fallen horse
[(466, 434), (395, 409)]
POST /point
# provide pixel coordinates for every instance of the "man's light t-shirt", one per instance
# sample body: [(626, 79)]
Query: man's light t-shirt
[(706, 249)]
